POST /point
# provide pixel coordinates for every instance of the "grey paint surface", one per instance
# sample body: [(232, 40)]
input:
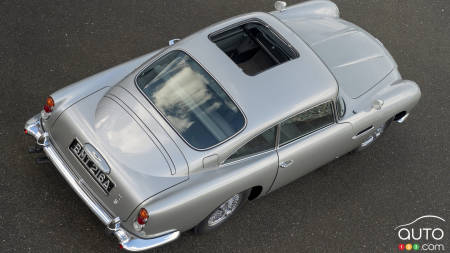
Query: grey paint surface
[(143, 170), (361, 162), (347, 51)]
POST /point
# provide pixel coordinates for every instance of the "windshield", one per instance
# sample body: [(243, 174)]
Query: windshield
[(190, 100)]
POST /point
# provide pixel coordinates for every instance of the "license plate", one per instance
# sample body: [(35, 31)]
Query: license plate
[(101, 178)]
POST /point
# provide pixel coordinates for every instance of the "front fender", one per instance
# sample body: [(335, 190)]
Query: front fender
[(400, 96)]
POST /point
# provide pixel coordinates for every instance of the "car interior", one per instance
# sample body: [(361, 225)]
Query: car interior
[(254, 47)]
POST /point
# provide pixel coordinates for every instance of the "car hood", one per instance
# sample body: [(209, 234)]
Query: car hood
[(140, 164), (357, 60)]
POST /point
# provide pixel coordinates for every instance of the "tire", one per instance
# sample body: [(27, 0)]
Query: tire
[(222, 213)]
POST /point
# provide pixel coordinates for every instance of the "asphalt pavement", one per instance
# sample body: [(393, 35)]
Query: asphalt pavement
[(352, 204)]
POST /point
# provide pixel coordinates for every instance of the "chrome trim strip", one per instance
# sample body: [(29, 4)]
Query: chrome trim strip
[(367, 142), (129, 242)]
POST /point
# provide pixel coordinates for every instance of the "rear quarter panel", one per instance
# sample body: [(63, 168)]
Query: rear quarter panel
[(187, 204), (74, 92)]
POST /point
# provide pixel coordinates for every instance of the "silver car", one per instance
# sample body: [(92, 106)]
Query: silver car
[(182, 137)]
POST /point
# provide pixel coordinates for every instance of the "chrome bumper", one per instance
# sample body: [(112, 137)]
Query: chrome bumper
[(127, 241)]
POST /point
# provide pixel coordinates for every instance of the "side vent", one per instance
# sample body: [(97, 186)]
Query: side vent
[(365, 130)]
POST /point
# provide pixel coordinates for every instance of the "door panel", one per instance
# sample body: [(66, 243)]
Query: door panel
[(312, 151)]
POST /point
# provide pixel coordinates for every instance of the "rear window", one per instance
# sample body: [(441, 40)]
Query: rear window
[(253, 46), (191, 100)]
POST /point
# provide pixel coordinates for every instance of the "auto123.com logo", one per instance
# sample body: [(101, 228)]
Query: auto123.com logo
[(425, 233)]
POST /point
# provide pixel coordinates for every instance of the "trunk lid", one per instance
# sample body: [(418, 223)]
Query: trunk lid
[(357, 60), (141, 163)]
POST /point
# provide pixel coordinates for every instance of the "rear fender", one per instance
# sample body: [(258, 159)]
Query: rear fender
[(187, 204), (73, 93)]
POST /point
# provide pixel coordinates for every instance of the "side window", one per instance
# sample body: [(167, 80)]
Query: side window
[(306, 122), (260, 143)]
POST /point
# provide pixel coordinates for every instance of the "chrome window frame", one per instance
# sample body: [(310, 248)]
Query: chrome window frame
[(166, 52), (277, 137), (333, 112), (225, 162)]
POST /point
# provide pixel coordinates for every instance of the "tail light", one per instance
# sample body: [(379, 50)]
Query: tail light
[(50, 103), (141, 220), (142, 216)]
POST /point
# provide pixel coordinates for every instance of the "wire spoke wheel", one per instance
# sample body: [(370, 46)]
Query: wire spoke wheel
[(224, 211)]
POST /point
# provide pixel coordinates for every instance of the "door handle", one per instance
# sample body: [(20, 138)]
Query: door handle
[(286, 164)]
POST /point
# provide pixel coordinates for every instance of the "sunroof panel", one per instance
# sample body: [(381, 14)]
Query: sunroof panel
[(253, 46)]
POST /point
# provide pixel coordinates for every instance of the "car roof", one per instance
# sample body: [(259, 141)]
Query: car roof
[(272, 95)]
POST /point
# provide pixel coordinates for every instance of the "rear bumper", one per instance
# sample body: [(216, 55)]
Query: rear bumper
[(128, 241)]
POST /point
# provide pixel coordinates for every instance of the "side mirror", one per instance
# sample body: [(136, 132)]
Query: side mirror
[(172, 42), (280, 5)]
